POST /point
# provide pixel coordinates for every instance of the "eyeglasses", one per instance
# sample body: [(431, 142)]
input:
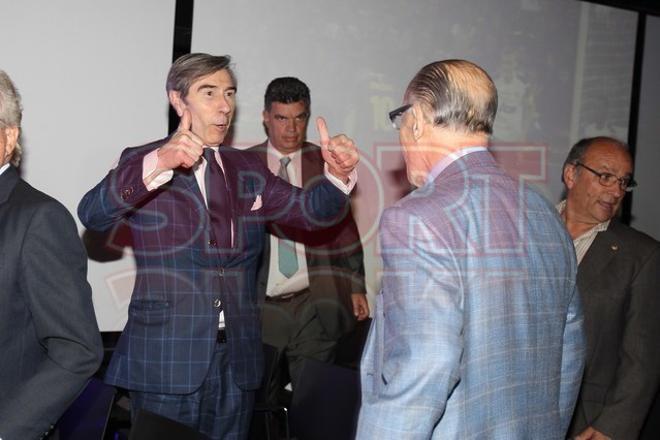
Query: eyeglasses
[(608, 179), (396, 115)]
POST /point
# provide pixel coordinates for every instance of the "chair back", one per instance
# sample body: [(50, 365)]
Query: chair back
[(325, 402)]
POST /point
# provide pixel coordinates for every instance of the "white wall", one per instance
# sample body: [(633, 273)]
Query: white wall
[(646, 209), (92, 78)]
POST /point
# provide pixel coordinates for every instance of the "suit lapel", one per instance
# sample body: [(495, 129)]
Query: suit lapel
[(600, 253), (309, 162), (8, 181), (185, 179), (262, 272), (262, 151)]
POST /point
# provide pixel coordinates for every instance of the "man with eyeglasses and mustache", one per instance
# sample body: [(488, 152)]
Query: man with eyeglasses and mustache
[(618, 278)]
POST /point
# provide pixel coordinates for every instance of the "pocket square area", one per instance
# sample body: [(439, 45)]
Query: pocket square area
[(257, 203)]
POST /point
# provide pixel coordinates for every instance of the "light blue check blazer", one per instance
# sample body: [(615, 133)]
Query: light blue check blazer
[(477, 331)]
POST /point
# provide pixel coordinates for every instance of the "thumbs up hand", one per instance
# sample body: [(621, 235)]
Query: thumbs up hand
[(339, 152), (183, 149)]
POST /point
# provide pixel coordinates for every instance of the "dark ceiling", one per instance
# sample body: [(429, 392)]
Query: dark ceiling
[(648, 6)]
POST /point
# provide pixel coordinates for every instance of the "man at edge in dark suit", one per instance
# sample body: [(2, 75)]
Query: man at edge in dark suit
[(191, 349), (618, 279), (312, 282), (49, 338)]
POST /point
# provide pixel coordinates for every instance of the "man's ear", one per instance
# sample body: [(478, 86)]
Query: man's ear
[(570, 174), (419, 121), (11, 138), (265, 116), (177, 102)]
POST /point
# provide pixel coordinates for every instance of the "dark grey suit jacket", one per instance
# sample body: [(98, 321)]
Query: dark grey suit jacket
[(49, 338), (334, 255), (619, 280)]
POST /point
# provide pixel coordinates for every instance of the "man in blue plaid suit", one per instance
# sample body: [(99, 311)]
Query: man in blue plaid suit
[(477, 331), (191, 349)]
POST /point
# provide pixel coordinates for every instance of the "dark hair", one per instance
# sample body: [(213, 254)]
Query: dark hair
[(577, 152), (188, 68), (286, 90), (459, 95)]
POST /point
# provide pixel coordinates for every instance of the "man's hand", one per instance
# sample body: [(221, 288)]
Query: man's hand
[(183, 149), (360, 306), (339, 152), (591, 434)]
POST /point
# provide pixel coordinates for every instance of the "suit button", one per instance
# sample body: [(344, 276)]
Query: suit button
[(221, 271), (217, 303), (126, 193), (213, 243)]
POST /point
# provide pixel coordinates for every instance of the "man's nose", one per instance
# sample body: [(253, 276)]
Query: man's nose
[(616, 190), (224, 105), (291, 124)]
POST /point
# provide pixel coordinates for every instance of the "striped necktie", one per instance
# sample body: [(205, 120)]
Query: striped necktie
[(286, 251)]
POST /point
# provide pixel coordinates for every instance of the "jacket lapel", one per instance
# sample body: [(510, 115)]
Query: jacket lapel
[(311, 163), (185, 179), (599, 255), (8, 181)]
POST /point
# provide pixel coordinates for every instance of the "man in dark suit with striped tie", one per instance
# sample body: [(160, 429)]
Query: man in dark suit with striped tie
[(191, 349), (311, 282)]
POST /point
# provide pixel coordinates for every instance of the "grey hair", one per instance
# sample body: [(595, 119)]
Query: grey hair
[(188, 68), (458, 94), (11, 111)]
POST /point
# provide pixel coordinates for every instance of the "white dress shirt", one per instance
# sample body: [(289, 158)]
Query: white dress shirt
[(278, 284)]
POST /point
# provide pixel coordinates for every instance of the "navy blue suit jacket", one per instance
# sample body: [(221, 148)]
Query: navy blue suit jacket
[(168, 341)]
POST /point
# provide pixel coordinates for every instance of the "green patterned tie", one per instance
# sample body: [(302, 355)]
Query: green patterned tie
[(286, 252)]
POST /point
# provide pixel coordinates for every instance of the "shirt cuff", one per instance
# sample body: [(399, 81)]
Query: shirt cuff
[(346, 188), (149, 164)]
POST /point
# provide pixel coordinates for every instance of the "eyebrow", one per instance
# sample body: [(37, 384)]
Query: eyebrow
[(279, 115), (211, 86), (607, 169)]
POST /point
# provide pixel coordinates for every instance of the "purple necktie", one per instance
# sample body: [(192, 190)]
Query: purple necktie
[(217, 199)]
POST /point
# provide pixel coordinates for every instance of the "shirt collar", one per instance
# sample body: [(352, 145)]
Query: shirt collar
[(279, 155), (443, 163), (4, 168)]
